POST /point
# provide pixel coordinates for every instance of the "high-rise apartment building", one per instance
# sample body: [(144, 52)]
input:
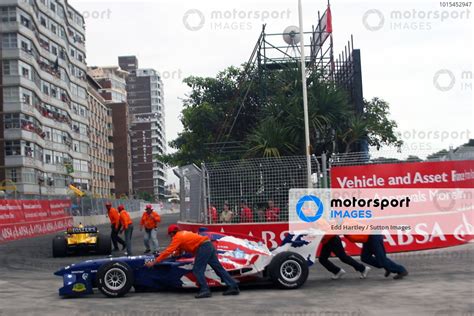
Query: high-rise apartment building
[(102, 183), (145, 99), (44, 134), (113, 89)]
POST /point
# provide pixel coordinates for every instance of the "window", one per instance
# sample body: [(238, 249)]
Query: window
[(77, 164), (48, 156), (57, 136), (25, 72), (6, 67), (12, 148), (84, 166), (43, 21), (54, 28), (25, 21), (83, 148), (24, 46), (26, 97), (45, 87), (29, 175), (58, 158), (83, 111), (47, 131), (9, 40), (12, 175), (8, 14), (28, 150), (12, 120)]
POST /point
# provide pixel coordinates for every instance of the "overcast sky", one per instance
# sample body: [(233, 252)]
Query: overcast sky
[(420, 63)]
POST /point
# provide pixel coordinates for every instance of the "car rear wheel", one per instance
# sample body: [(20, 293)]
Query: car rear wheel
[(288, 270), (104, 244), (114, 279), (59, 246)]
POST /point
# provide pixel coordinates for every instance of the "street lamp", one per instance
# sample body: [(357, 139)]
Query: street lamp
[(305, 97)]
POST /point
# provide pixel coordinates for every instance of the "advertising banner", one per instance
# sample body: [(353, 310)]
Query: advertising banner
[(30, 218)]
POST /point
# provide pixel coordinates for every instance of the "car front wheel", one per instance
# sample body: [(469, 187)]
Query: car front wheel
[(288, 270), (114, 279)]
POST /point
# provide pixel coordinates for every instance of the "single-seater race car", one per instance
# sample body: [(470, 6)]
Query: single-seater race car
[(81, 239), (245, 258)]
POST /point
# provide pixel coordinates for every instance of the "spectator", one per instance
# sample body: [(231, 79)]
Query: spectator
[(246, 214), (114, 218), (260, 214), (227, 214), (149, 221), (213, 215), (127, 227), (272, 213)]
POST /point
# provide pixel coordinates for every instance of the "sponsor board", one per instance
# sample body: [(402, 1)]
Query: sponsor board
[(22, 230), (427, 234), (30, 218)]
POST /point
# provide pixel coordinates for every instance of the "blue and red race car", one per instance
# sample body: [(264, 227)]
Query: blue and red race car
[(245, 258)]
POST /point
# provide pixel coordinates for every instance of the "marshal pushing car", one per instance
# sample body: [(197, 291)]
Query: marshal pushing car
[(81, 239), (245, 259)]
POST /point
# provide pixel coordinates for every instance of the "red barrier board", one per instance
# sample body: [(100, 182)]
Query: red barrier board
[(430, 235), (437, 174), (30, 218), (273, 233), (22, 230)]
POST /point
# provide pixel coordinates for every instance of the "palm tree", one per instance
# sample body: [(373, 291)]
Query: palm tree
[(270, 139)]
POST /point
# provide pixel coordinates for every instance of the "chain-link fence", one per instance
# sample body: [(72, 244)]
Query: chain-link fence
[(245, 191), (256, 190), (82, 206), (85, 206)]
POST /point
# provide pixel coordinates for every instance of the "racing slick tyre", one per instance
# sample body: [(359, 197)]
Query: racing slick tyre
[(288, 270), (114, 279), (104, 244), (59, 246)]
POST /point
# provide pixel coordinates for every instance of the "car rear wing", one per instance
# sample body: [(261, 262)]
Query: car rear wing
[(82, 230)]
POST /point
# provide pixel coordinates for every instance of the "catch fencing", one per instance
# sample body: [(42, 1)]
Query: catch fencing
[(256, 190), (253, 190)]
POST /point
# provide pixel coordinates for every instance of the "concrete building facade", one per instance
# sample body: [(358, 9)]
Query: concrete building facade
[(113, 89), (43, 97), (101, 145), (147, 124)]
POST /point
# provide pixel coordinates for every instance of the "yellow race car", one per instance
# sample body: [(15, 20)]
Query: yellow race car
[(81, 239)]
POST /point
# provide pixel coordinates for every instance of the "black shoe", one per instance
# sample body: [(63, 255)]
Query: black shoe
[(232, 291), (387, 273), (400, 275), (203, 294), (147, 251)]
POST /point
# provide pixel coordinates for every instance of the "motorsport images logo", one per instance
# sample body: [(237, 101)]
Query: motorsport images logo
[(304, 208)]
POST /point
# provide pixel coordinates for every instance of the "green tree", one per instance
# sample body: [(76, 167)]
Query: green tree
[(273, 125), (380, 129)]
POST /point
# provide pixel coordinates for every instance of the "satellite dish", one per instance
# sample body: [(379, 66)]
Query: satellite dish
[(291, 35)]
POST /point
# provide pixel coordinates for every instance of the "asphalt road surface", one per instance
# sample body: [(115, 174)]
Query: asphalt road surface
[(441, 283)]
